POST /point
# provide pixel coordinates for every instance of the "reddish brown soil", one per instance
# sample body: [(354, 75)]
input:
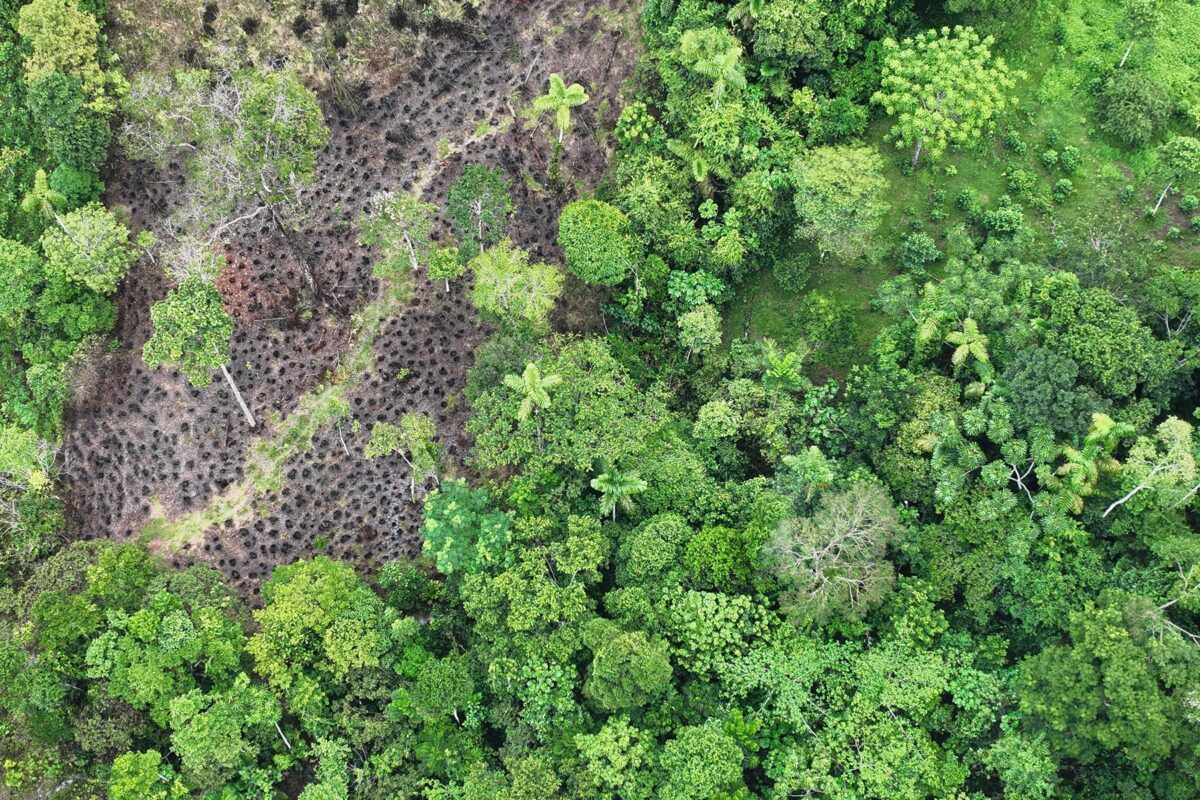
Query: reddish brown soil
[(148, 438)]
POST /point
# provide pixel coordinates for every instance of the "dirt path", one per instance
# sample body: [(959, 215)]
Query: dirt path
[(147, 454)]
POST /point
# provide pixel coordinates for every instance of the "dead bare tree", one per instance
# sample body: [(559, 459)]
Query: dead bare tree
[(247, 141), (834, 562)]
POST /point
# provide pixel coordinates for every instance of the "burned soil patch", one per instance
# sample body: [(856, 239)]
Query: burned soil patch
[(147, 446)]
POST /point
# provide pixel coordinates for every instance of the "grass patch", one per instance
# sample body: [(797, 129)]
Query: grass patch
[(317, 409), (1060, 54), (764, 309)]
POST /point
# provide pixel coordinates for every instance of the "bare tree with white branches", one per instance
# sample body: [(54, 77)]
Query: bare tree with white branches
[(247, 141), (833, 564)]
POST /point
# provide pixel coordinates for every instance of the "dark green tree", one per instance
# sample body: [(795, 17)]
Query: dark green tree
[(1101, 696), (74, 133), (1133, 107)]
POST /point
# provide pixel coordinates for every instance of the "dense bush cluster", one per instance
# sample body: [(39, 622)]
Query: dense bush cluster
[(62, 254)]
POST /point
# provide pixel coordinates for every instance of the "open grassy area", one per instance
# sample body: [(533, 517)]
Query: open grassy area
[(1059, 52), (763, 309)]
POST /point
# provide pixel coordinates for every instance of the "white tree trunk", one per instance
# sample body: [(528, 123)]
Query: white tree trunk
[(238, 395), (1162, 197), (281, 736), (412, 252), (1133, 492), (1127, 51), (1187, 496), (1118, 503), (477, 210)]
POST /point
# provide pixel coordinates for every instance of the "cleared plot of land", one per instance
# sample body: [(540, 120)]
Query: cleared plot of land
[(148, 456)]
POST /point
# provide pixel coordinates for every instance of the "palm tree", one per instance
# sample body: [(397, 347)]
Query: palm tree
[(43, 200), (747, 12), (724, 69), (695, 158), (968, 342), (535, 393), (617, 489), (783, 370), (560, 99), (1081, 471)]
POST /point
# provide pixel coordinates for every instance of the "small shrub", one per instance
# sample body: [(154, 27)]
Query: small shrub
[(1063, 190), (636, 126), (968, 200), (408, 586), (1022, 182), (837, 120), (1052, 138), (918, 250), (1189, 203), (792, 271), (938, 196), (937, 214), (829, 324), (951, 170), (1068, 159), (1042, 205), (1195, 223), (1126, 194), (1006, 221), (1050, 160), (1174, 234), (959, 243), (1014, 142)]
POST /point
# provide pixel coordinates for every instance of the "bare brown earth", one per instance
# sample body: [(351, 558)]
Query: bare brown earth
[(144, 447)]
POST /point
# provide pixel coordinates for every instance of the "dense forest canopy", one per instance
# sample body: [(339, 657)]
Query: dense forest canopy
[(820, 423)]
